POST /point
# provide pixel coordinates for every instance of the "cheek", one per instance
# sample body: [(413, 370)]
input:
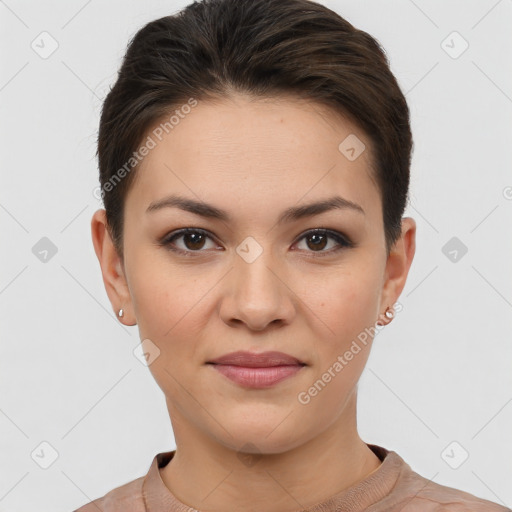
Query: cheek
[(346, 302), (347, 308), (167, 301), (171, 312)]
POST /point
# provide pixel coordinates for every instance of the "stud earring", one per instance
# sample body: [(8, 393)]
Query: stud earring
[(121, 313), (390, 313)]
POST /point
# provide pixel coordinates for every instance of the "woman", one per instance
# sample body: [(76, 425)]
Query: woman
[(254, 163)]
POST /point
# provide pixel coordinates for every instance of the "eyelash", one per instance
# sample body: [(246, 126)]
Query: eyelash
[(343, 241)]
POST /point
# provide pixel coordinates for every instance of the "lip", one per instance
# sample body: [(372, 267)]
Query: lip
[(257, 360), (257, 370)]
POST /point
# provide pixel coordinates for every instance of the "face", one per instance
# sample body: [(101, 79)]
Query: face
[(258, 277)]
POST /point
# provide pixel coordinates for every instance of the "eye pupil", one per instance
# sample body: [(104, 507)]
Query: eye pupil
[(320, 239), (194, 237)]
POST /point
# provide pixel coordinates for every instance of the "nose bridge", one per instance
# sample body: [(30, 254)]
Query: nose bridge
[(254, 278), (258, 294)]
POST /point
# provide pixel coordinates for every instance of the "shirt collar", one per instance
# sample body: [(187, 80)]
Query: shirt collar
[(377, 485)]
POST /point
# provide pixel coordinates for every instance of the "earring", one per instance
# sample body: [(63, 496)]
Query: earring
[(390, 312), (120, 314)]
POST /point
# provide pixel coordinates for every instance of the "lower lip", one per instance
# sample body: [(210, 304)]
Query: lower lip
[(257, 377)]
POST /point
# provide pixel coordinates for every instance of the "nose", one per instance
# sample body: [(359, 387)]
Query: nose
[(257, 294)]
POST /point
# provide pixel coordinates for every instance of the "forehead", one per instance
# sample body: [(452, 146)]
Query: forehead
[(255, 150)]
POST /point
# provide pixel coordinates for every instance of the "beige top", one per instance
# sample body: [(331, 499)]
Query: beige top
[(392, 487)]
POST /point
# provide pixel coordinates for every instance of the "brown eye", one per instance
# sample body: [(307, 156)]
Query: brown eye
[(318, 239), (192, 240)]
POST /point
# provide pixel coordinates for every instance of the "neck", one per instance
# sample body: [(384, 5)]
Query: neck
[(207, 475)]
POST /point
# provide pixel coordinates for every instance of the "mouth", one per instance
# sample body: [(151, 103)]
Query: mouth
[(257, 360), (257, 370)]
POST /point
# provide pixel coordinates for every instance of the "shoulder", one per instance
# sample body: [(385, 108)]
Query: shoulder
[(418, 493), (125, 498)]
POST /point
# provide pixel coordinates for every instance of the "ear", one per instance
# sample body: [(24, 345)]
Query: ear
[(398, 263), (112, 268)]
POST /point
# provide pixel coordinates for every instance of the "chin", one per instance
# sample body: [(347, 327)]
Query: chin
[(263, 437), (257, 445)]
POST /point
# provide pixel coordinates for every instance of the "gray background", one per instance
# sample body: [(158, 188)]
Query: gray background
[(439, 373)]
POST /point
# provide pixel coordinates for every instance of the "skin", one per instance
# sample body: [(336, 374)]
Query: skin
[(254, 158)]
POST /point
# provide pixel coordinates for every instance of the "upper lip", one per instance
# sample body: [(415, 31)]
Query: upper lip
[(257, 360)]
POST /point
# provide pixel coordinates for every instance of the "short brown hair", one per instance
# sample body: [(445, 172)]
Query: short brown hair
[(263, 48)]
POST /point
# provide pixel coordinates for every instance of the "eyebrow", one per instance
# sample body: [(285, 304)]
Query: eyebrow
[(290, 214)]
